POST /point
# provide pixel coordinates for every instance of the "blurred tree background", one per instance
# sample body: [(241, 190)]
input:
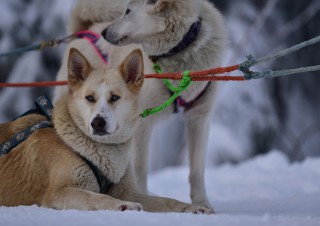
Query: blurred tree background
[(249, 118), (273, 25)]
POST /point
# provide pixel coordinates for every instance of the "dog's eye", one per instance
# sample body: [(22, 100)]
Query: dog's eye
[(90, 98), (128, 11), (114, 98), (152, 2)]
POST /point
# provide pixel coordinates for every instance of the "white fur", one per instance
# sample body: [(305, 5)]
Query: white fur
[(157, 31)]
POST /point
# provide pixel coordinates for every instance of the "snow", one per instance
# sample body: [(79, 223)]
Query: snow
[(266, 190)]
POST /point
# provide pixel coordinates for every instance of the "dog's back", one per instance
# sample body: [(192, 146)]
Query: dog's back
[(25, 169), (9, 129)]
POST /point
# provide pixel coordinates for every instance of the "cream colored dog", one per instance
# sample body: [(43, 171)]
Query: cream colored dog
[(83, 162), (159, 26)]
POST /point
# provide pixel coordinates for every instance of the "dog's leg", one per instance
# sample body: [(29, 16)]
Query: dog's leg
[(140, 153), (76, 198), (197, 135), (126, 190), (160, 204)]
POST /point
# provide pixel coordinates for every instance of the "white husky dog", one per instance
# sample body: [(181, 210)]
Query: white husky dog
[(176, 34)]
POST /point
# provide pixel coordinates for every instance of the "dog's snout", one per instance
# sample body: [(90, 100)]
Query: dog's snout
[(99, 125), (110, 36), (104, 33)]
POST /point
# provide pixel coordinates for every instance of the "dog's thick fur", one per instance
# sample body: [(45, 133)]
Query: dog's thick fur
[(48, 168), (158, 26)]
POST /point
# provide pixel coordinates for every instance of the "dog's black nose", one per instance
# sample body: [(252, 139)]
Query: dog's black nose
[(110, 36), (99, 125), (104, 33)]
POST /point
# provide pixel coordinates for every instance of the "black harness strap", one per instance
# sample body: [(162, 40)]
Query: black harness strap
[(187, 40), (22, 136), (103, 181), (45, 108)]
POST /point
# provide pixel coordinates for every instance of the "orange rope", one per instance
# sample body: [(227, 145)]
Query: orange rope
[(211, 73), (218, 70), (206, 75), (219, 78)]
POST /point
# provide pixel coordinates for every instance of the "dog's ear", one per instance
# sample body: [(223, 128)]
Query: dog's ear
[(132, 70), (160, 5), (78, 68)]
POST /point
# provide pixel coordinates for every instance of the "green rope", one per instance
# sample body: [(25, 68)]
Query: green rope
[(184, 84)]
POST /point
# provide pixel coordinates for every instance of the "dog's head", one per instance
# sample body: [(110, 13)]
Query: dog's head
[(156, 24), (103, 102)]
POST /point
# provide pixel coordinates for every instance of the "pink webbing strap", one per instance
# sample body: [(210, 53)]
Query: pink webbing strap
[(92, 38)]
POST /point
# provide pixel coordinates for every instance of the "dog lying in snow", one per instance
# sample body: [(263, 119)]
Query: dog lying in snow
[(83, 162), (178, 35)]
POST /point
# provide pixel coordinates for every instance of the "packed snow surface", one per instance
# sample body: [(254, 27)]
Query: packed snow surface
[(266, 190)]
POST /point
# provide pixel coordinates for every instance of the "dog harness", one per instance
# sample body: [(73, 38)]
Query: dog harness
[(187, 40), (45, 107), (93, 38), (187, 105)]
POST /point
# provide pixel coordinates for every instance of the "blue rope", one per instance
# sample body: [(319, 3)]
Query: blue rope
[(251, 61), (289, 50), (274, 74), (21, 50), (40, 46)]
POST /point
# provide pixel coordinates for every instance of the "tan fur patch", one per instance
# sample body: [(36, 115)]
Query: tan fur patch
[(78, 69), (132, 70)]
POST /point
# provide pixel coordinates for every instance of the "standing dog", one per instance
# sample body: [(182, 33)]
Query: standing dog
[(179, 35), (83, 162)]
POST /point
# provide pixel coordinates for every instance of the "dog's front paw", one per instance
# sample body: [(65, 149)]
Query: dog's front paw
[(124, 206), (204, 205), (197, 209)]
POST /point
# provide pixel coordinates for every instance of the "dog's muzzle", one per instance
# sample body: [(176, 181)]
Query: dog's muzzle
[(108, 35), (99, 126), (112, 37)]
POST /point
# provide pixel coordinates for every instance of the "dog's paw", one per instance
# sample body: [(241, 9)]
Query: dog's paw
[(204, 204), (125, 206), (197, 210)]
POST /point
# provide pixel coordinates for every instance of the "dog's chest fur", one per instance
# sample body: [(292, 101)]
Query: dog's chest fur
[(111, 159)]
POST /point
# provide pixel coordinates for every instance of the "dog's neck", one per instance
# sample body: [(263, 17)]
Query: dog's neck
[(106, 157), (186, 41), (203, 53)]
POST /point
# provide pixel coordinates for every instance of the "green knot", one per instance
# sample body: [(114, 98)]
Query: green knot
[(184, 84), (157, 68)]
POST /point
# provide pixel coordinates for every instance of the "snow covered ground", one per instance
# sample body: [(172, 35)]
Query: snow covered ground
[(266, 190)]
